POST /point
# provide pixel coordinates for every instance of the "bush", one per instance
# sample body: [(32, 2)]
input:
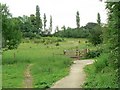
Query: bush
[(95, 35), (57, 44), (13, 44), (29, 35), (93, 54), (101, 62), (60, 40)]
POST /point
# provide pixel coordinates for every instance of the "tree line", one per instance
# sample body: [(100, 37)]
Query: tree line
[(33, 26), (16, 28), (91, 30)]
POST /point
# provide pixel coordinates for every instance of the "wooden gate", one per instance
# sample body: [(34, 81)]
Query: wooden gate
[(78, 54)]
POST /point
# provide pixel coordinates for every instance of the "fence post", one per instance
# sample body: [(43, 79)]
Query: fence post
[(79, 55), (64, 52)]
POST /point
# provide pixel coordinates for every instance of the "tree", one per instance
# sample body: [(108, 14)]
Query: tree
[(68, 32), (77, 19), (11, 34), (45, 20), (98, 19), (4, 10), (110, 57), (57, 29), (33, 21), (63, 27), (50, 25), (113, 33), (95, 35), (90, 25), (28, 26), (14, 35), (38, 20)]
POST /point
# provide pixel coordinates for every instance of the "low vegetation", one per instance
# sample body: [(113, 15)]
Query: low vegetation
[(25, 42), (48, 62), (100, 74), (104, 73)]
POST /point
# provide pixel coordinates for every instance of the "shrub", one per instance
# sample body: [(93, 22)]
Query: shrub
[(12, 44), (101, 62), (57, 44), (93, 54), (59, 40)]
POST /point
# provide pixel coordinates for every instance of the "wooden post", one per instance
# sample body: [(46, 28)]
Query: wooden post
[(85, 52), (64, 52), (88, 50), (77, 52), (79, 55)]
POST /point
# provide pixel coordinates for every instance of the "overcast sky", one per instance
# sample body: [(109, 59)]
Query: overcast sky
[(62, 11)]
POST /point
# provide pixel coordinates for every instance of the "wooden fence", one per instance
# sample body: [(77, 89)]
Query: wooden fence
[(76, 53)]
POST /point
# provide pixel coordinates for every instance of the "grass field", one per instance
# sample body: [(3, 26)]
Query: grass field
[(48, 62)]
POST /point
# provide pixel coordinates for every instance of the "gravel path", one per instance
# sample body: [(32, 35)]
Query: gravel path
[(76, 77)]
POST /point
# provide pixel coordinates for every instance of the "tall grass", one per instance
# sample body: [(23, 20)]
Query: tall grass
[(49, 65), (13, 75), (50, 70), (100, 74), (48, 62)]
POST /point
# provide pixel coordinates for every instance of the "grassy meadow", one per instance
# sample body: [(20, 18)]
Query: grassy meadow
[(47, 59)]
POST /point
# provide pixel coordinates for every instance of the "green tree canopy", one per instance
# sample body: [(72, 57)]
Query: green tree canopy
[(98, 19), (11, 34), (38, 20), (45, 20), (77, 19), (50, 24)]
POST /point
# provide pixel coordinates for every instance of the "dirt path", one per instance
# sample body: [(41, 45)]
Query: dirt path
[(28, 78), (76, 77)]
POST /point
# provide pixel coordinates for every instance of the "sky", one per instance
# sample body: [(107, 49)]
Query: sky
[(63, 11)]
